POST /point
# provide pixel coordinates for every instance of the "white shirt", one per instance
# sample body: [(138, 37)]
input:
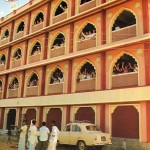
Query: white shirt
[(23, 131), (54, 134), (44, 131), (33, 135)]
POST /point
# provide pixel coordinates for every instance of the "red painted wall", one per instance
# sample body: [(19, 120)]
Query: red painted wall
[(30, 114), (85, 113), (56, 115), (125, 122)]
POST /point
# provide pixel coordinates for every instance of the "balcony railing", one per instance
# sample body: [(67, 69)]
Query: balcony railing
[(87, 6), (85, 44), (4, 41), (34, 58), (85, 85), (60, 17), (32, 91), (57, 52), (125, 80), (19, 35), (55, 88), (124, 33), (37, 27), (12, 93), (16, 63)]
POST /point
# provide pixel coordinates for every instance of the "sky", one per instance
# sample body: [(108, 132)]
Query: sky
[(5, 7)]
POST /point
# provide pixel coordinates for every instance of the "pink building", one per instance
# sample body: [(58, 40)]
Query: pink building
[(75, 60)]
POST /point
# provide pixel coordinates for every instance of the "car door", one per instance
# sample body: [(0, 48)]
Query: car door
[(64, 135), (75, 134)]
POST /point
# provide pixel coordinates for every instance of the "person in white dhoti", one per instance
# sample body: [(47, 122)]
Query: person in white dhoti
[(53, 136), (32, 139), (22, 139)]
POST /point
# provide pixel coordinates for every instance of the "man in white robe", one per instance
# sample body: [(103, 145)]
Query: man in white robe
[(33, 136), (53, 137), (22, 139)]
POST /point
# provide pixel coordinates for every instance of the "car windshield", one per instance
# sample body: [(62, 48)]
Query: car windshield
[(92, 128)]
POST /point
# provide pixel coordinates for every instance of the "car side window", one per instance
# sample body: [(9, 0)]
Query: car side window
[(67, 128), (76, 128)]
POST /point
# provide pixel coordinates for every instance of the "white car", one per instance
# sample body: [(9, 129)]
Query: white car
[(83, 135)]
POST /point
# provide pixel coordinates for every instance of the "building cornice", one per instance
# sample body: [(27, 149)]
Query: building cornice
[(127, 95)]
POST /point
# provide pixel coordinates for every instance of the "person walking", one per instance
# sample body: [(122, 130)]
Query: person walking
[(9, 135), (43, 137), (32, 139), (22, 139), (53, 137)]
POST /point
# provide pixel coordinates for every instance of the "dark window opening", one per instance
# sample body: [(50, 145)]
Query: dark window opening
[(125, 64), (88, 32), (14, 84), (84, 1), (11, 119), (17, 54), (6, 34), (33, 80), (1, 85), (39, 18), (125, 19), (87, 71), (59, 41), (36, 49), (61, 8), (57, 77), (2, 60), (21, 27)]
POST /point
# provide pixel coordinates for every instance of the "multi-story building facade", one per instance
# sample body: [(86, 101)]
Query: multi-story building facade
[(69, 60)]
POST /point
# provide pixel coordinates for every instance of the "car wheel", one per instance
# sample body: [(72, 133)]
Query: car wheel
[(81, 145)]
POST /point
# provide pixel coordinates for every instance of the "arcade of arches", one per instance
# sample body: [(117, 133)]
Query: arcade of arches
[(124, 119)]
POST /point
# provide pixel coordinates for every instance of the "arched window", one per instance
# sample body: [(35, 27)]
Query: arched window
[(36, 49), (61, 8), (2, 59), (59, 41), (87, 71), (21, 27), (39, 18), (57, 77), (14, 84), (125, 64), (33, 80), (17, 55), (84, 1), (125, 19), (1, 84), (88, 32), (6, 34)]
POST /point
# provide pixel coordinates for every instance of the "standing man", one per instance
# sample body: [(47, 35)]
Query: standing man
[(22, 139), (53, 136), (43, 137), (33, 136)]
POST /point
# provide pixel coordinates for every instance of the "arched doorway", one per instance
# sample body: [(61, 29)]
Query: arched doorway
[(30, 114), (125, 122), (56, 115), (85, 113), (11, 118)]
